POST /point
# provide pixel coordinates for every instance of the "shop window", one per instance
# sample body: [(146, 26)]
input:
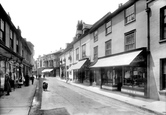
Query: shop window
[(163, 74), (95, 50), (130, 40), (163, 23), (134, 77), (108, 47), (130, 14), (108, 27), (95, 35)]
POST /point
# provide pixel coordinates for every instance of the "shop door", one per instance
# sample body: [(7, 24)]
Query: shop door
[(119, 78)]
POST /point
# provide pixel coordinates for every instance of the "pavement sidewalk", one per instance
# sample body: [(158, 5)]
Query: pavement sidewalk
[(158, 107), (19, 101)]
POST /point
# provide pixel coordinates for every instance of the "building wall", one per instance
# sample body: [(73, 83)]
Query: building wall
[(119, 29), (157, 49)]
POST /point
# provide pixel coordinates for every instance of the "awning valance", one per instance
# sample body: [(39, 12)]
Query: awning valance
[(47, 70), (77, 66), (117, 60)]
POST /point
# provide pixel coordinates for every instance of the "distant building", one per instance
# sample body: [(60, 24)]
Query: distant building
[(49, 64)]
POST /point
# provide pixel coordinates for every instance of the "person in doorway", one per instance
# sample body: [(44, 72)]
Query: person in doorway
[(7, 84)]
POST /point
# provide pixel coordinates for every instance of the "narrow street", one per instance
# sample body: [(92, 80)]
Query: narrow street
[(64, 99)]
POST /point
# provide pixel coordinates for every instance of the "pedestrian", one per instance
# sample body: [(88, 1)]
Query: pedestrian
[(32, 78), (7, 84)]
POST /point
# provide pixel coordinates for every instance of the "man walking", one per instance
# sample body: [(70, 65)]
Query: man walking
[(32, 78)]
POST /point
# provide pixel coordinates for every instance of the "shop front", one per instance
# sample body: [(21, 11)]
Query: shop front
[(80, 71), (125, 72), (10, 64)]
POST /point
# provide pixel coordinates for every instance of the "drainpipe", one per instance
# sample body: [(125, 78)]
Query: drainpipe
[(147, 85)]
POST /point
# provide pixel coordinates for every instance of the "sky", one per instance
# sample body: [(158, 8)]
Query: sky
[(50, 24)]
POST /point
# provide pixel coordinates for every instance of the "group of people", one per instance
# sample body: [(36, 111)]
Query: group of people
[(12, 83)]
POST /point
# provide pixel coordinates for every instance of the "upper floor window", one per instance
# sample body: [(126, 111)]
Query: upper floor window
[(11, 39), (84, 51), (130, 14), (108, 27), (95, 52), (108, 47), (163, 23), (17, 47), (2, 30), (77, 54), (95, 35), (163, 74), (40, 63), (130, 40)]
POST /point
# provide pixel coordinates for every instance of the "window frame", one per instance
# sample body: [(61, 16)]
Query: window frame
[(83, 50), (130, 15), (95, 53), (162, 87), (2, 30), (107, 27), (109, 49), (17, 45), (95, 35), (162, 23), (11, 39), (77, 54), (128, 44)]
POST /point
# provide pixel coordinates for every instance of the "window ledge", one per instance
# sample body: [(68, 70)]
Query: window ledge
[(106, 34), (127, 23), (162, 92), (161, 41)]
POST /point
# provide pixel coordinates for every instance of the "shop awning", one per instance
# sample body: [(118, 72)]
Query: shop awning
[(47, 70), (78, 65), (117, 60)]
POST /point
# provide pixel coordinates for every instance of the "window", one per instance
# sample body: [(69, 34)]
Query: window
[(130, 40), (95, 35), (135, 77), (84, 51), (17, 47), (108, 27), (95, 53), (77, 54), (130, 14), (2, 30), (108, 47), (163, 74), (163, 23), (11, 39)]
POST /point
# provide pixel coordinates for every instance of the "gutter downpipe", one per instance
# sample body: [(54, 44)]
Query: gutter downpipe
[(147, 86)]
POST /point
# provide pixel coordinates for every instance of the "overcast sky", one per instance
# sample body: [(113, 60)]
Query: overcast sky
[(50, 24)]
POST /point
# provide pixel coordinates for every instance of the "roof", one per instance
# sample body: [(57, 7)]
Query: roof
[(109, 15)]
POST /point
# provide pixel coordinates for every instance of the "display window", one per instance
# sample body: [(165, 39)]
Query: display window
[(109, 77), (135, 77)]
